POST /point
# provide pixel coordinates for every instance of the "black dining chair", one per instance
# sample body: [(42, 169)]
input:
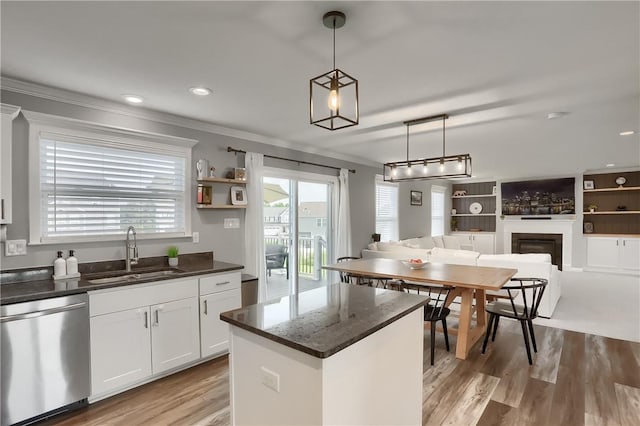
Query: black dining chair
[(346, 277), (433, 312), (522, 305)]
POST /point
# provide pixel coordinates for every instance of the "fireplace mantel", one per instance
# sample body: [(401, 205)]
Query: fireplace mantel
[(564, 227)]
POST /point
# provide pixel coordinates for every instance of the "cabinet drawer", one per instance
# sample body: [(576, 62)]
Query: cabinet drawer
[(119, 299), (219, 282)]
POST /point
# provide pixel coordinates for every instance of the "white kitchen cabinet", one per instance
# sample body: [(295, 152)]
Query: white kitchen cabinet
[(613, 253), (218, 293), (141, 331), (484, 243), (9, 113), (175, 337), (120, 348)]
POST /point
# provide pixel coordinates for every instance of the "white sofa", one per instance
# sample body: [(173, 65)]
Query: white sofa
[(531, 265), (434, 249)]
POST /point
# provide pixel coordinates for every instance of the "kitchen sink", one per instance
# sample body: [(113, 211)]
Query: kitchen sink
[(136, 276)]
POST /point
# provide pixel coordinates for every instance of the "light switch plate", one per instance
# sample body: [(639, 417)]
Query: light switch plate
[(231, 222), (196, 237), (15, 247)]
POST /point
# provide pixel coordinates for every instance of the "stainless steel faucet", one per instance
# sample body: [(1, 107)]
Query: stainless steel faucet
[(131, 248)]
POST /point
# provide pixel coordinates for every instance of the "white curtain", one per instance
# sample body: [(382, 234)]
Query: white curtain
[(254, 261), (343, 234)]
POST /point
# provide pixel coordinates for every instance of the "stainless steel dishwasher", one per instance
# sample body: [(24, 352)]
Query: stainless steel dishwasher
[(45, 356)]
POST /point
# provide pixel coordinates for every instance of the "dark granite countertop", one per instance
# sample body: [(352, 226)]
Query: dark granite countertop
[(23, 285), (325, 320)]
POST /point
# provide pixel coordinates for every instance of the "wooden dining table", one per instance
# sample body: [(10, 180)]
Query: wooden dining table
[(470, 283)]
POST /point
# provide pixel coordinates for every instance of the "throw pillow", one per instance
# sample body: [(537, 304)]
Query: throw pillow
[(438, 241)]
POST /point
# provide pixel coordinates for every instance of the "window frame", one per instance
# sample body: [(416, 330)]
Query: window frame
[(441, 190), (379, 180), (47, 125)]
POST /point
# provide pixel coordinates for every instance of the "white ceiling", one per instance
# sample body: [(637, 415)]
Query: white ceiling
[(496, 68)]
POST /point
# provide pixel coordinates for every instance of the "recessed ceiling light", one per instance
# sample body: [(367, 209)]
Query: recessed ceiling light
[(133, 99), (627, 133), (557, 114), (200, 91), (610, 165)]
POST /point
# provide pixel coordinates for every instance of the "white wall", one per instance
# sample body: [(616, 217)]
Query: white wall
[(227, 244), (415, 221)]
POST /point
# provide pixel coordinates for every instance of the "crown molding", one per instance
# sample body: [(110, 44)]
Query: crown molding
[(87, 101)]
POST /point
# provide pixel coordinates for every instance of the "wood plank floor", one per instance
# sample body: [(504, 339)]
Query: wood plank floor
[(576, 379)]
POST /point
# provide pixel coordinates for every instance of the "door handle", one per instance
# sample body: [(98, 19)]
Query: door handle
[(206, 309), (157, 314), (624, 243), (2, 208), (41, 313), (617, 242), (224, 283), (146, 319)]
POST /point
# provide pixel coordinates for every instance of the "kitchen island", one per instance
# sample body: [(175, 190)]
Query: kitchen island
[(341, 354)]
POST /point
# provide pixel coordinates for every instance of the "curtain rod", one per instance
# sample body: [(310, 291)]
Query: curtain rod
[(236, 151)]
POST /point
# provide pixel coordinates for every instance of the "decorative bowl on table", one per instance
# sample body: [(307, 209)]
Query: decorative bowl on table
[(413, 264)]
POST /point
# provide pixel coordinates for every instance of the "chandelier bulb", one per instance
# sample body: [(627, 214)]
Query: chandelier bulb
[(459, 163), (425, 168), (334, 98), (394, 171), (409, 170), (441, 165)]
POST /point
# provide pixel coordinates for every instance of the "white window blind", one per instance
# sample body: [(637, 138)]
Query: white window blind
[(437, 210), (386, 210), (89, 188)]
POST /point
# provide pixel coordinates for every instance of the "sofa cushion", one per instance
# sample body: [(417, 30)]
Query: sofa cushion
[(517, 257), (451, 242), (437, 251), (438, 241), (390, 245), (373, 246)]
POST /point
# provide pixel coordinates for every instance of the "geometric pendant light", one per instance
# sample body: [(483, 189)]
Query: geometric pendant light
[(444, 167), (333, 96)]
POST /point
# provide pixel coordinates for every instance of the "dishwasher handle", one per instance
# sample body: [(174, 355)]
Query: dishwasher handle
[(36, 314)]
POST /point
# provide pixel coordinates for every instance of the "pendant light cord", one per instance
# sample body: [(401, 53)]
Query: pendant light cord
[(334, 43), (443, 126), (407, 144)]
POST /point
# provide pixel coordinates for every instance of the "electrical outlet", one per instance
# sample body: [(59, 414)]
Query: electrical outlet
[(231, 222), (196, 237), (270, 379), (15, 248)]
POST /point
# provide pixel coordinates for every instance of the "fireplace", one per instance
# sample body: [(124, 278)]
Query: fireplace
[(539, 243)]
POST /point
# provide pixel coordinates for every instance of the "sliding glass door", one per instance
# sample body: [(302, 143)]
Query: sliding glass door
[(298, 225)]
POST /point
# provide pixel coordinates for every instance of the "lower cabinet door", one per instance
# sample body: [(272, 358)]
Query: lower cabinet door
[(630, 253), (174, 334), (484, 243), (215, 333), (120, 347), (602, 252)]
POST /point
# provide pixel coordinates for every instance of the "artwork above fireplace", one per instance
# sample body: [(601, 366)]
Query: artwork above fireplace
[(539, 243)]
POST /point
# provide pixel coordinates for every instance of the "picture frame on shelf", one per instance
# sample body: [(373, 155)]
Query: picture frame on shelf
[(240, 173), (588, 184), (416, 198), (588, 227), (238, 196)]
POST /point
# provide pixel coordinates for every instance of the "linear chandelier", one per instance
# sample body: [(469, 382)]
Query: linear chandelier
[(444, 167), (333, 96)]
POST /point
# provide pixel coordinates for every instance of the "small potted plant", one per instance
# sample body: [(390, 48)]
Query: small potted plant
[(592, 208), (375, 237), (454, 223), (172, 253)]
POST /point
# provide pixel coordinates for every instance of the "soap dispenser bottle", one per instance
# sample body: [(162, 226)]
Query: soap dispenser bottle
[(59, 266), (72, 263)]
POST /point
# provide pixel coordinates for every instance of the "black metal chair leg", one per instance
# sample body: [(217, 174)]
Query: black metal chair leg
[(433, 340), (495, 328), (533, 336), (486, 335), (446, 334), (525, 333)]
